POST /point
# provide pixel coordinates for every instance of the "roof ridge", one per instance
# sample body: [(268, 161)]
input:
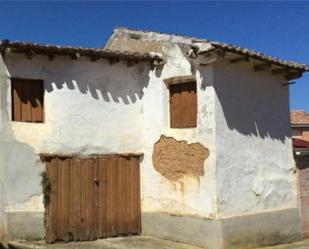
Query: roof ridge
[(161, 33), (232, 48)]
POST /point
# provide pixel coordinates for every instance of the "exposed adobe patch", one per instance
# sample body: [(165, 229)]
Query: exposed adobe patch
[(174, 159)]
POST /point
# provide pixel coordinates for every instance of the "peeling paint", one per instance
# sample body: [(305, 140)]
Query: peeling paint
[(175, 159)]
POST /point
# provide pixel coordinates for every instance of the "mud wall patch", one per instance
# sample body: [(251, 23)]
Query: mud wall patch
[(175, 159)]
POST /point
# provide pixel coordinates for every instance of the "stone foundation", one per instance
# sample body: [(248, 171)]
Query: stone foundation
[(248, 231)]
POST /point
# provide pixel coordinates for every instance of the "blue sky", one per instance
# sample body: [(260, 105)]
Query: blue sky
[(276, 28)]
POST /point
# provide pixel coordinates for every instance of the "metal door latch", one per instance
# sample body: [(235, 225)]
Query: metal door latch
[(96, 181)]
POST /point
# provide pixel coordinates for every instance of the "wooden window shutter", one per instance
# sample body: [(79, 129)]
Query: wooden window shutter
[(183, 105), (27, 100)]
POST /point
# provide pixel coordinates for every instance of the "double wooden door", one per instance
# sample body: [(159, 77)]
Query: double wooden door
[(92, 198)]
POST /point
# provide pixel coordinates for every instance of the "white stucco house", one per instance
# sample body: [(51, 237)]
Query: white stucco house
[(165, 135)]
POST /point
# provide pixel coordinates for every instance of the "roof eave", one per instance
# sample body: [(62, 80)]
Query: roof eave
[(94, 54), (294, 125), (258, 56)]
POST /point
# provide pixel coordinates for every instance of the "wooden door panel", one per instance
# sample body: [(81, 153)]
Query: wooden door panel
[(102, 204), (92, 198), (51, 208)]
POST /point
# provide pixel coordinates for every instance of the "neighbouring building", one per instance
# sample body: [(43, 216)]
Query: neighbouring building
[(300, 124), (164, 135), (300, 135)]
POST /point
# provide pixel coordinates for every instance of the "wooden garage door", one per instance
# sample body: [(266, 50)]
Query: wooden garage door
[(92, 198)]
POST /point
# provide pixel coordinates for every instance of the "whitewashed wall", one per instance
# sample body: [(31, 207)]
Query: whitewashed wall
[(95, 107), (188, 196), (254, 149), (3, 80)]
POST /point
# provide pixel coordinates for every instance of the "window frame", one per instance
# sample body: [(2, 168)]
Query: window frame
[(171, 111)]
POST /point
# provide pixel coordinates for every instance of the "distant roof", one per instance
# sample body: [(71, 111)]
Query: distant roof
[(299, 118), (300, 148), (94, 53), (300, 144), (214, 45)]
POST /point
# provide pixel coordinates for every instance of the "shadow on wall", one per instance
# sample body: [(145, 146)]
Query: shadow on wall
[(114, 83), (251, 103), (20, 167)]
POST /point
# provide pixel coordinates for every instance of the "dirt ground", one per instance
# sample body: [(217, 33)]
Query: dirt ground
[(133, 242), (298, 245)]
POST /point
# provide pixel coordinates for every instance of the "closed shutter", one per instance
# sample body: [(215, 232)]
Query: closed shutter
[(27, 100), (183, 105)]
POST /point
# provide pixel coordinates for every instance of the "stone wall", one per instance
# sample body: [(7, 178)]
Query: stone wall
[(303, 181)]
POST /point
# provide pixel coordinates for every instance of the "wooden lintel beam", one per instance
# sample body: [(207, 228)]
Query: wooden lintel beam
[(294, 76), (239, 59), (75, 56), (179, 79), (280, 71), (262, 67)]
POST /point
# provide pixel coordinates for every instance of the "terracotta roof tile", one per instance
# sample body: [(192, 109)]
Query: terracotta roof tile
[(260, 56), (38, 48), (233, 49), (299, 117)]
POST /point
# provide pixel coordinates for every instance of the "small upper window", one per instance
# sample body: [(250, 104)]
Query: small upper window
[(27, 100), (183, 105)]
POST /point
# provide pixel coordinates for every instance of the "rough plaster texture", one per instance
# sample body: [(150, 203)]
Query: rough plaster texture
[(20, 166), (26, 225), (246, 231), (98, 108), (175, 159), (261, 229), (187, 196), (205, 233), (254, 165)]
